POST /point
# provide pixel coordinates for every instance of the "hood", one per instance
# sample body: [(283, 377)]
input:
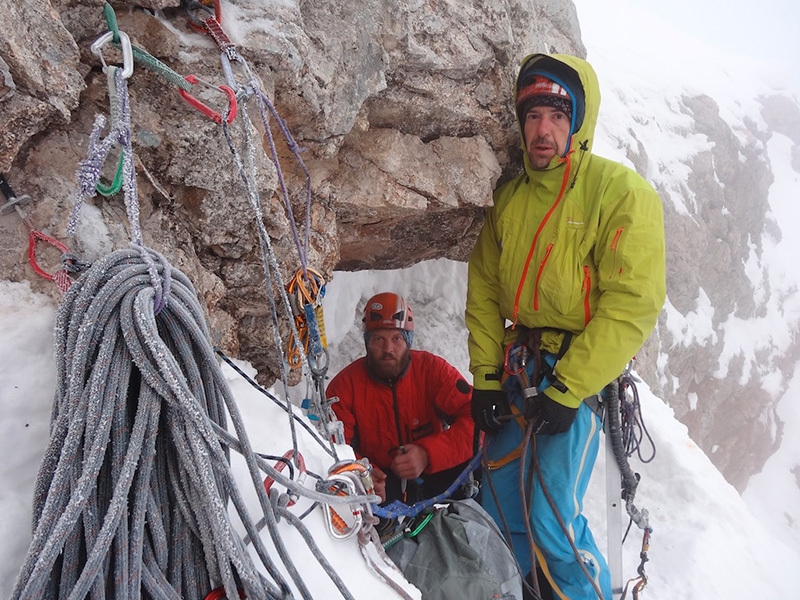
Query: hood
[(576, 73)]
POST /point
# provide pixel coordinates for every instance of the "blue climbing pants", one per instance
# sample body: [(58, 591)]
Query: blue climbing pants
[(566, 461)]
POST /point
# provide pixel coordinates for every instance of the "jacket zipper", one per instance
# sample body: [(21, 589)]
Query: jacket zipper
[(397, 415), (587, 288), (544, 221), (614, 245), (539, 276)]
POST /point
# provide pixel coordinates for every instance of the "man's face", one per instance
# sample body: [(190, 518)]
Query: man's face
[(387, 353), (546, 134)]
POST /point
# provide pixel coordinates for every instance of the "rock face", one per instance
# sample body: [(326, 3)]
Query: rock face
[(39, 78), (709, 249), (400, 113)]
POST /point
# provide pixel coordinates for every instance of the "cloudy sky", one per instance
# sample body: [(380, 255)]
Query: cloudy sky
[(762, 32)]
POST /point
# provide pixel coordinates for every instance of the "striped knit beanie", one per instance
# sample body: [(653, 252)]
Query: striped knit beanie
[(541, 91)]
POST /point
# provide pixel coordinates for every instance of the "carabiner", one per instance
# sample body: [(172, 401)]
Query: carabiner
[(219, 594), (299, 285), (511, 362), (295, 347), (60, 278), (127, 51), (115, 186), (210, 113), (280, 465), (14, 203), (343, 526)]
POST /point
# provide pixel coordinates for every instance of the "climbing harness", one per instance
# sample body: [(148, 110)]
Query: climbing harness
[(532, 370), (524, 361), (70, 263)]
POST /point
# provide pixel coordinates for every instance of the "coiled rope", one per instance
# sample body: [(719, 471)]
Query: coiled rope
[(131, 432), (132, 495)]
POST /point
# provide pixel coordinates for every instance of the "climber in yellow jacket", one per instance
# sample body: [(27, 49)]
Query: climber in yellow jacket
[(566, 282)]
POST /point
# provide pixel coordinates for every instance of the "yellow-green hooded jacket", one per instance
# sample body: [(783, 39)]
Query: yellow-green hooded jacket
[(596, 269)]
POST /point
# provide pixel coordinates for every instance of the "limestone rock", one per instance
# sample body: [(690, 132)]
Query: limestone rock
[(40, 78), (400, 125)]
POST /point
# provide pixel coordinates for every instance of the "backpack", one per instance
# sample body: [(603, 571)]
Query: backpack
[(459, 554)]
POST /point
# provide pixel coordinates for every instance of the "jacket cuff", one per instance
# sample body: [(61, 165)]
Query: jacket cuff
[(432, 455), (567, 398), (486, 378)]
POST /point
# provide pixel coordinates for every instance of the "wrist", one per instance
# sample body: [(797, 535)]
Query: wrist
[(565, 398), (486, 378)]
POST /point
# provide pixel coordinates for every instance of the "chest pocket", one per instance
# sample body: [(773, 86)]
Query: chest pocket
[(564, 269)]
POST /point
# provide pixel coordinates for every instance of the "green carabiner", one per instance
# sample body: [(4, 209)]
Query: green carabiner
[(116, 185), (418, 528)]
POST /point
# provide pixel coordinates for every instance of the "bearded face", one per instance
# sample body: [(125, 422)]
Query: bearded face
[(387, 353)]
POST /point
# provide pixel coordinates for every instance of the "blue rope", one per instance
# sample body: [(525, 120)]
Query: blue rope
[(399, 509)]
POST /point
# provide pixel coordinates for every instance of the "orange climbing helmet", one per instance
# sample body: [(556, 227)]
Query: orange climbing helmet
[(387, 311)]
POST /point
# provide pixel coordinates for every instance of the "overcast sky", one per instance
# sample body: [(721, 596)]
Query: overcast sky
[(766, 31)]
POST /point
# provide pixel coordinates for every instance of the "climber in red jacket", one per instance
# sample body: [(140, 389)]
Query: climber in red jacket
[(407, 411)]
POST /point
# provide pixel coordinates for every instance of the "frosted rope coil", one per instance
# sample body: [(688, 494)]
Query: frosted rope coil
[(132, 496)]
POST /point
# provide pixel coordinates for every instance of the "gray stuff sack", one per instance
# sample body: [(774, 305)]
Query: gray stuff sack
[(459, 555)]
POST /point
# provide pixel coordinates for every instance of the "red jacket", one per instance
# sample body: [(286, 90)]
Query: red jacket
[(430, 393)]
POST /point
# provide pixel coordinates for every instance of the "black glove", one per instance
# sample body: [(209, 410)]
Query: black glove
[(548, 416), (487, 406)]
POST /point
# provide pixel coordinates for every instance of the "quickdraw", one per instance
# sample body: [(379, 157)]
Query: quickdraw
[(305, 291), (319, 412), (69, 262), (409, 529), (210, 7), (211, 23), (132, 53), (210, 113), (127, 50), (641, 581)]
